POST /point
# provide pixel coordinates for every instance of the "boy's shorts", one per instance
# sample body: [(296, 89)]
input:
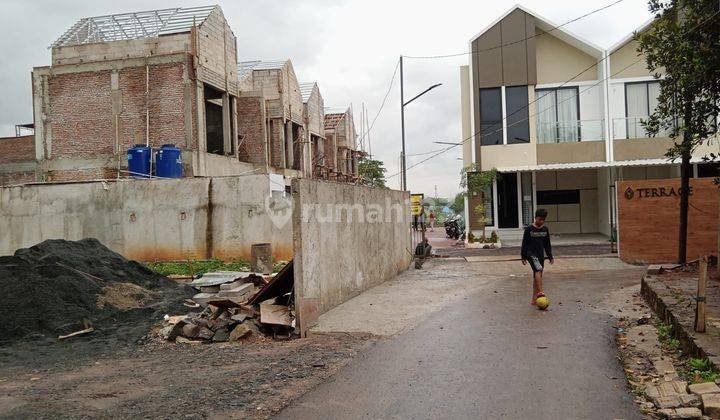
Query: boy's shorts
[(537, 264)]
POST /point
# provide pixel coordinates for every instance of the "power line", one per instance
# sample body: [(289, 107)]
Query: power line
[(382, 104), (428, 57), (567, 99), (392, 80)]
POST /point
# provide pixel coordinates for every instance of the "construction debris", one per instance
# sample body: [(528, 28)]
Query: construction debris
[(61, 288), (236, 306)]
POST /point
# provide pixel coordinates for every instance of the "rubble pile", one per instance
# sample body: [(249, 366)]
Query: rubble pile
[(235, 306)]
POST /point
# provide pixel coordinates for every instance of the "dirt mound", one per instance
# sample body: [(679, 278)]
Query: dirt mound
[(58, 286)]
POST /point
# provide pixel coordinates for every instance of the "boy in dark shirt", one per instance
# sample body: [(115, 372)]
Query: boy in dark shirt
[(535, 246)]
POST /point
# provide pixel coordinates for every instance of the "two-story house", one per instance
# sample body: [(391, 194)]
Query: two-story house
[(560, 119)]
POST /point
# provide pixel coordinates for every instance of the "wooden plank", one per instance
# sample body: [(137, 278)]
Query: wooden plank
[(701, 295)]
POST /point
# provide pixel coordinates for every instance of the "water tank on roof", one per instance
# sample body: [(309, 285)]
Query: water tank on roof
[(139, 157), (168, 162)]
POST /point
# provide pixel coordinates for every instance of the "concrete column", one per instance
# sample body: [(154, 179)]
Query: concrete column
[(234, 132), (227, 129), (289, 140)]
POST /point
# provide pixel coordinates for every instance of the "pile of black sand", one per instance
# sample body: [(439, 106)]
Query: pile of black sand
[(58, 287)]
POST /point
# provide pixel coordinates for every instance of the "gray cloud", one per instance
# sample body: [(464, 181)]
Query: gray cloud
[(350, 47)]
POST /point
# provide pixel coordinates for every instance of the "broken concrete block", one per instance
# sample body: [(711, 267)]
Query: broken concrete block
[(677, 401), (233, 285), (704, 388), (240, 332), (190, 330), (203, 298), (176, 330), (665, 369), (205, 333), (221, 336), (239, 317), (685, 413), (276, 315), (209, 289), (666, 389), (219, 324), (711, 405), (239, 294)]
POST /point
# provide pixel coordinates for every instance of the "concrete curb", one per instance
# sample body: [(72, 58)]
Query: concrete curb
[(676, 313)]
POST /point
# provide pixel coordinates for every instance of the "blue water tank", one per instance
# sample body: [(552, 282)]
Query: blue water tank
[(168, 162), (139, 157)]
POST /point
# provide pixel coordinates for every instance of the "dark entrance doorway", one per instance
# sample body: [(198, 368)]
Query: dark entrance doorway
[(507, 201)]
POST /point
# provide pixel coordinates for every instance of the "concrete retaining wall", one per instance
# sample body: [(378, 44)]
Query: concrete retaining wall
[(147, 220), (347, 239)]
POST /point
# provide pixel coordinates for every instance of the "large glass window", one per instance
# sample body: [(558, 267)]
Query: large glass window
[(491, 117), (558, 115), (516, 106), (640, 102)]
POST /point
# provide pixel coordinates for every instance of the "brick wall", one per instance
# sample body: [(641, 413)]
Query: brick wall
[(251, 126), (81, 110), (81, 174), (649, 221), (17, 149), (330, 151), (17, 178), (277, 143)]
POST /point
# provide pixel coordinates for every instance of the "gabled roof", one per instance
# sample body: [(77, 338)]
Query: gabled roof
[(627, 38), (247, 67), (127, 26), (551, 28), (332, 119), (306, 89)]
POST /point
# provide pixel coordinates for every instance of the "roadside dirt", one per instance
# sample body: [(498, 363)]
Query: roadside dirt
[(228, 380)]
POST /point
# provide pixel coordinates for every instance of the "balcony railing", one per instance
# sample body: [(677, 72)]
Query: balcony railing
[(570, 131), (632, 128)]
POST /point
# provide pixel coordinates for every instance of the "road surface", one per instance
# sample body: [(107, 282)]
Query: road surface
[(492, 355)]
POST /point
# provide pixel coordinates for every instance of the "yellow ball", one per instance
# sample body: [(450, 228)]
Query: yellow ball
[(542, 302)]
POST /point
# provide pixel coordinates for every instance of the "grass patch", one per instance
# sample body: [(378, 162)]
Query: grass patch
[(638, 390), (200, 267), (186, 268), (701, 370)]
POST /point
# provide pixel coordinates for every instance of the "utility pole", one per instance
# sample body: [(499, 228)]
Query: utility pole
[(403, 185)]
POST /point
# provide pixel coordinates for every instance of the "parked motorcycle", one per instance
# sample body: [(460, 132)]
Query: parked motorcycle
[(452, 228)]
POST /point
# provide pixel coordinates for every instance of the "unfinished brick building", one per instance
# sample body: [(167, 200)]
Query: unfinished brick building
[(17, 160), (164, 76), (314, 116), (341, 154), (270, 113)]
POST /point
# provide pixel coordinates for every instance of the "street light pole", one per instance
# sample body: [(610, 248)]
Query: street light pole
[(402, 127), (403, 166)]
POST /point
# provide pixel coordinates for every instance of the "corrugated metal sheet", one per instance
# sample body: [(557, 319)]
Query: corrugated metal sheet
[(247, 67), (590, 165), (127, 26), (306, 90)]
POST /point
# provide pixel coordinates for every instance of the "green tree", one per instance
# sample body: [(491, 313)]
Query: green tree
[(458, 204), (682, 43), (372, 173)]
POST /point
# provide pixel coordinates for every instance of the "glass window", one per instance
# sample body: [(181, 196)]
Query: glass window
[(558, 115), (516, 106), (558, 197), (640, 103), (491, 118)]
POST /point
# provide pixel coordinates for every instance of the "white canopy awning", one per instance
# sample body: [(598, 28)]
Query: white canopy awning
[(591, 165)]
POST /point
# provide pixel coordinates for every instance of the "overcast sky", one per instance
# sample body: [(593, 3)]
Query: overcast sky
[(350, 47)]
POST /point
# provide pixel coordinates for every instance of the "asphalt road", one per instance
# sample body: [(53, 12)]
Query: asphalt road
[(492, 356)]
